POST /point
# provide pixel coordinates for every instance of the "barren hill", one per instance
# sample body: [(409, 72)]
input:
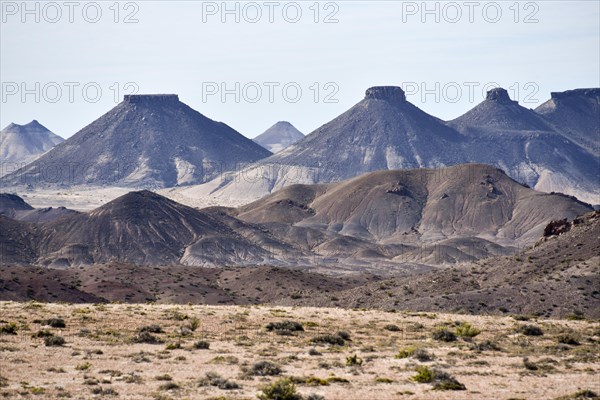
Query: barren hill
[(145, 141)]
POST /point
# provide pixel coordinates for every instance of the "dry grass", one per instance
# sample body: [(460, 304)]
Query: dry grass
[(101, 357)]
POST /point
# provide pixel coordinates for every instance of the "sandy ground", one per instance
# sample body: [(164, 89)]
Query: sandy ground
[(101, 360), (86, 199)]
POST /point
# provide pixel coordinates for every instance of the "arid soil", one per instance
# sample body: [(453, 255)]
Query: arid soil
[(107, 353)]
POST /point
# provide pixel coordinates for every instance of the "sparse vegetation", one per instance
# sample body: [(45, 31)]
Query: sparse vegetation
[(54, 341), (241, 358), (265, 368), (466, 330), (282, 389), (201, 345), (530, 330), (444, 335), (284, 327)]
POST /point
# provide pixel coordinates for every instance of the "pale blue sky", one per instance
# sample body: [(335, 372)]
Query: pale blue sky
[(172, 50)]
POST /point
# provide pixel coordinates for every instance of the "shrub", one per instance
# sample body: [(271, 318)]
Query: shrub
[(83, 367), (42, 333), (444, 335), (568, 339), (424, 375), (353, 360), (466, 330), (173, 346), (3, 381), (54, 341), (486, 345), (201, 345), (8, 329), (194, 324), (214, 379), (392, 328), (314, 352), (284, 326), (55, 323), (169, 386), (440, 379), (314, 396), (164, 377), (339, 339), (282, 389), (406, 352), (146, 337), (422, 355), (154, 328), (265, 368), (530, 330)]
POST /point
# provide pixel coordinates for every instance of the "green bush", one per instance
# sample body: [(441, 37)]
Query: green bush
[(282, 389), (353, 360), (466, 330), (406, 352), (8, 329), (424, 375), (440, 379)]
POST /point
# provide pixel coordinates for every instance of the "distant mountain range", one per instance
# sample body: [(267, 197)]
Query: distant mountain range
[(385, 131), (145, 141), (22, 144), (155, 141), (279, 136), (383, 220)]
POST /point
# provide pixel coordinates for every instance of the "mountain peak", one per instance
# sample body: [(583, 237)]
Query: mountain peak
[(151, 98), (588, 92), (389, 93), (499, 95)]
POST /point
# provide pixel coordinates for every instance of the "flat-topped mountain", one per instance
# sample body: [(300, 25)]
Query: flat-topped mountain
[(145, 141), (384, 132), (576, 113), (279, 136), (21, 144)]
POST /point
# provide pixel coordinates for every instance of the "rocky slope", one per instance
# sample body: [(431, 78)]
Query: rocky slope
[(145, 141), (400, 221), (21, 144), (279, 136), (384, 132), (576, 113)]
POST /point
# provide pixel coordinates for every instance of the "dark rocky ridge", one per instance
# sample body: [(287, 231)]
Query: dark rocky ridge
[(499, 95), (391, 93)]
